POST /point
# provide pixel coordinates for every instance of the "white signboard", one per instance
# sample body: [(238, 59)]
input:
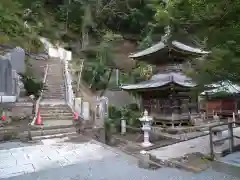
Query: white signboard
[(104, 105), (78, 105), (86, 111)]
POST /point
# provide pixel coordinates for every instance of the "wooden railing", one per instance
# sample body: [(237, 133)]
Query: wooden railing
[(40, 96), (230, 137)]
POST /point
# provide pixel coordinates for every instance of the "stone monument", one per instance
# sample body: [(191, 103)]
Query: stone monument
[(17, 58)]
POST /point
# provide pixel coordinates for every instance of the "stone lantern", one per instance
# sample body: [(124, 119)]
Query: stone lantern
[(146, 127)]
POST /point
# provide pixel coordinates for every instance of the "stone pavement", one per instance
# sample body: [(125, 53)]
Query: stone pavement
[(89, 160), (233, 159), (200, 144)]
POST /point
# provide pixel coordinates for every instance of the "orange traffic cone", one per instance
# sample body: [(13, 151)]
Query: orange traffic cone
[(75, 117), (4, 118), (39, 119)]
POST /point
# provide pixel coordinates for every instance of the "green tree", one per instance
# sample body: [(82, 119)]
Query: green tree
[(212, 25), (13, 27)]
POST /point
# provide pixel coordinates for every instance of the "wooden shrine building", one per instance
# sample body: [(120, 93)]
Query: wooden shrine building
[(223, 99), (167, 94)]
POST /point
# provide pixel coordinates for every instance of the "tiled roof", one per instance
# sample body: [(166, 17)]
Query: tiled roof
[(161, 45), (162, 79), (226, 86)]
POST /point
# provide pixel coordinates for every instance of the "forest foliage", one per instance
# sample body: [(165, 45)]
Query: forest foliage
[(209, 24)]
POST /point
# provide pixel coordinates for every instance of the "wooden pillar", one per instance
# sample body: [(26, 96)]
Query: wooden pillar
[(206, 100), (172, 98)]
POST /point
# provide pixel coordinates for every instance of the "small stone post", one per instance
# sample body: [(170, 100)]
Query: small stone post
[(123, 126), (146, 122), (234, 119), (144, 161), (216, 117)]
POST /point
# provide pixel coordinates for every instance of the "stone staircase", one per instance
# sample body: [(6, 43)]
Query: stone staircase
[(56, 115), (55, 84)]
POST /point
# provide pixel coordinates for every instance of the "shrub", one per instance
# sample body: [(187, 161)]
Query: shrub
[(31, 85)]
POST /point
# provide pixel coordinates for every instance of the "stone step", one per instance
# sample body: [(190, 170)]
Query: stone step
[(55, 111), (53, 77), (54, 89), (62, 135), (56, 114), (52, 131), (51, 96), (55, 86), (49, 132), (46, 112), (54, 105), (55, 65), (37, 138), (57, 78), (55, 74), (54, 94), (57, 118), (49, 92)]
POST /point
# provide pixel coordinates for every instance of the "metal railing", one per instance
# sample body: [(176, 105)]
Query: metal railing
[(40, 96)]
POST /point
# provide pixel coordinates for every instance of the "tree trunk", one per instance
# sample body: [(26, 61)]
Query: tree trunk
[(106, 85)]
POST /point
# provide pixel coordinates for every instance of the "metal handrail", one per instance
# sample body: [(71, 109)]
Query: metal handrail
[(40, 97)]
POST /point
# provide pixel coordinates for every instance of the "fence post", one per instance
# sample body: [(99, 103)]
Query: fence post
[(211, 143), (230, 136), (123, 126)]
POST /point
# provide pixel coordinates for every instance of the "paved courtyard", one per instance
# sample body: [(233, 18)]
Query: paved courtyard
[(233, 159), (200, 144), (64, 160)]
